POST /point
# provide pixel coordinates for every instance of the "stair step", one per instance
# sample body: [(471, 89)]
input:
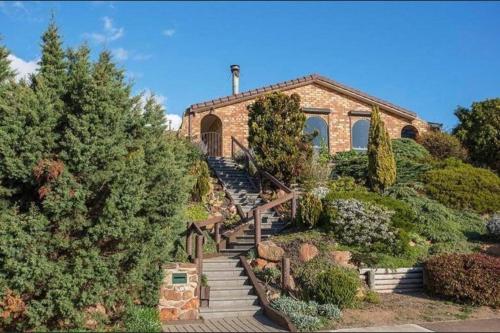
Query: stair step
[(233, 281), (212, 266), (232, 293), (210, 313), (223, 273), (224, 302)]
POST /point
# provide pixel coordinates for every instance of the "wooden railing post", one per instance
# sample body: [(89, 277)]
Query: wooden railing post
[(285, 273), (189, 242), (294, 206), (199, 259), (257, 223), (217, 235)]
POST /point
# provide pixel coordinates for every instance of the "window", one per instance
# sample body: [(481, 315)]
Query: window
[(360, 134), (409, 132), (318, 125)]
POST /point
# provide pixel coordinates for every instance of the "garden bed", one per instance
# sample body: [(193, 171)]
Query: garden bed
[(395, 309)]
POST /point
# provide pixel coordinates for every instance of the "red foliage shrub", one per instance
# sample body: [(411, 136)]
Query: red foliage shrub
[(11, 306), (469, 278), (48, 170)]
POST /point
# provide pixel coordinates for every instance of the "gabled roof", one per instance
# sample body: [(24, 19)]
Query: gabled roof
[(301, 81)]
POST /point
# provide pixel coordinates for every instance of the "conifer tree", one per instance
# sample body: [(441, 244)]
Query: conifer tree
[(6, 72), (381, 162)]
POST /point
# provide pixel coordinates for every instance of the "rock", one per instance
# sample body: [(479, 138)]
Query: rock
[(492, 249), (270, 251), (270, 265), (192, 304), (189, 315), (307, 252), (172, 295), (187, 295), (280, 193), (342, 258), (260, 263), (169, 314)]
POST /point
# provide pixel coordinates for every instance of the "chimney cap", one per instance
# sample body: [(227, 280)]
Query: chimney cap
[(235, 68)]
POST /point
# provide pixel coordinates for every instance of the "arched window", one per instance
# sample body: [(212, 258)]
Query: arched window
[(211, 135), (409, 132), (360, 134), (318, 125)]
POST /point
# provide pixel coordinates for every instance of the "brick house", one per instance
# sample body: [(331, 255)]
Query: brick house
[(339, 113)]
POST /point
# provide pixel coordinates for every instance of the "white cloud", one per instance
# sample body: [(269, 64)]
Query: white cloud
[(141, 57), (120, 54), (174, 121), (169, 32), (160, 99), (110, 33), (23, 68)]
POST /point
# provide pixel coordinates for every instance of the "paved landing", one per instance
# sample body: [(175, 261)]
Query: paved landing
[(257, 323), (477, 325)]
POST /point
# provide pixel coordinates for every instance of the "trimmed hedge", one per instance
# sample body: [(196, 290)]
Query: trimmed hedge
[(468, 278), (462, 186)]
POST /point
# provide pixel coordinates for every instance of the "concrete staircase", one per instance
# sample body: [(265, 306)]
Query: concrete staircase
[(231, 294), (242, 189)]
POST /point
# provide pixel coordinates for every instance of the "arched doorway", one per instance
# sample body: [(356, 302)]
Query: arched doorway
[(211, 135), (409, 132)]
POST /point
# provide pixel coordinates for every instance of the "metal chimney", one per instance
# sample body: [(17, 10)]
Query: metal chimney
[(235, 71)]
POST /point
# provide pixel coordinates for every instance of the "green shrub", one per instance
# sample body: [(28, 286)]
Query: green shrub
[(196, 212), (442, 145), (356, 223), (372, 297), (142, 319), (337, 286), (306, 316), (268, 274), (351, 164), (463, 186), (470, 278), (329, 311), (305, 322), (409, 149), (203, 185), (343, 184), (310, 209)]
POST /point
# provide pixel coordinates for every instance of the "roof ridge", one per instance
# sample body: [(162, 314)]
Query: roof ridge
[(300, 80)]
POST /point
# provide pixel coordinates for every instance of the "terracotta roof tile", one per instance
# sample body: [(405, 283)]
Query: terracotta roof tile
[(308, 78)]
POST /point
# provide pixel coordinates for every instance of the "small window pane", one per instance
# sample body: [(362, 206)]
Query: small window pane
[(409, 132), (319, 125), (360, 134)]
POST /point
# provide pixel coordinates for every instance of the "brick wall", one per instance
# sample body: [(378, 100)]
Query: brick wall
[(235, 118)]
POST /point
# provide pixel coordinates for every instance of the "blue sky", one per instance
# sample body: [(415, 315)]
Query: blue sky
[(428, 57)]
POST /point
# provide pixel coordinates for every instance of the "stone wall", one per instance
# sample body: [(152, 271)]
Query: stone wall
[(178, 301), (234, 118)]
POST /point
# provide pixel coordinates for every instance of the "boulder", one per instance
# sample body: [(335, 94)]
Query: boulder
[(307, 252), (260, 263), (169, 314), (270, 251), (342, 258)]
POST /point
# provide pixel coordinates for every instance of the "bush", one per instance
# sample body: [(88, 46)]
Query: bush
[(351, 164), (372, 297), (355, 223), (469, 278), (196, 212), (203, 185), (268, 274), (442, 145), (409, 149), (306, 316), (337, 286), (493, 226), (463, 186), (310, 209), (142, 319), (437, 222)]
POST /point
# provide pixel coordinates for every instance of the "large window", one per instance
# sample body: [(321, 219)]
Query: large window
[(318, 125), (360, 134)]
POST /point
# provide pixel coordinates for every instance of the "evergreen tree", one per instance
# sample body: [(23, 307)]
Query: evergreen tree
[(6, 72), (91, 192), (381, 162), (276, 135)]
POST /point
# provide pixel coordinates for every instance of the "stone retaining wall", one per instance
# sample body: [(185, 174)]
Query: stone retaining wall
[(178, 301)]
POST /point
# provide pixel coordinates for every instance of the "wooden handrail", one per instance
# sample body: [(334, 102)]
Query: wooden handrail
[(277, 202), (276, 182), (210, 221)]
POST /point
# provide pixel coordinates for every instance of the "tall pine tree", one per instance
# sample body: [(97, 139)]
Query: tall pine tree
[(381, 162)]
